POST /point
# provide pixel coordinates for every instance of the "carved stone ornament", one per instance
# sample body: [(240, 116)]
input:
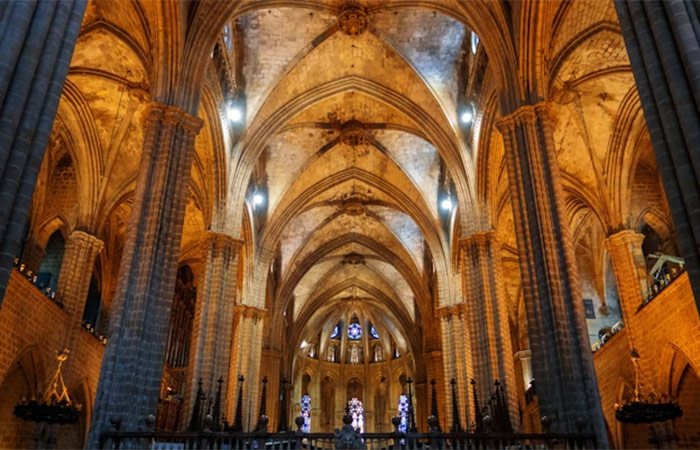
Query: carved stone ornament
[(352, 20), (353, 259), (352, 133)]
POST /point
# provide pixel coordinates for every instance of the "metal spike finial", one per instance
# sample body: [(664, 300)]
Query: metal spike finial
[(238, 418), (456, 421)]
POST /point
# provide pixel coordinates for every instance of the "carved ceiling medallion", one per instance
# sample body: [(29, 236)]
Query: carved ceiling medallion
[(354, 259), (352, 20), (352, 133)]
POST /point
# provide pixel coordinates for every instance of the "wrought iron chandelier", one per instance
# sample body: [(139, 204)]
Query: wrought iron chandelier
[(649, 409), (55, 405)]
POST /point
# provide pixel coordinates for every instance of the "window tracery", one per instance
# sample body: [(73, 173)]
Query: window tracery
[(357, 412)]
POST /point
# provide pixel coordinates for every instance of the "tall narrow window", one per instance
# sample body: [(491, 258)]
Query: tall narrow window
[(306, 413), (51, 263), (357, 412), (474, 42), (403, 413)]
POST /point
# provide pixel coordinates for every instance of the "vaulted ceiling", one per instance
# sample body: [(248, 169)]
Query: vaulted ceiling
[(350, 118)]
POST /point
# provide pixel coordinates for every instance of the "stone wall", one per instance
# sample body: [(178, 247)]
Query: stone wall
[(665, 333), (32, 329)]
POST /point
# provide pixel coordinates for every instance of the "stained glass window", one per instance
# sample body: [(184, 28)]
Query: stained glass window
[(354, 331), (403, 412), (227, 38), (373, 332), (335, 332), (306, 413), (357, 412), (475, 42)]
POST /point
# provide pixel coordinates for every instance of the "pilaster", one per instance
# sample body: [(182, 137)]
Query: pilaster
[(212, 325), (562, 360), (133, 362), (625, 249)]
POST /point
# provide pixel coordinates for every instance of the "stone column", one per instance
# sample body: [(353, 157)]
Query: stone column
[(271, 367), (663, 44), (212, 327), (457, 364), (631, 276), (434, 370), (487, 313), (246, 353), (73, 285), (132, 366), (37, 41), (562, 360)]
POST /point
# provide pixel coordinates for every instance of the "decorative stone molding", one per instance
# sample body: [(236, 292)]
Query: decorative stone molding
[(352, 20), (354, 259)]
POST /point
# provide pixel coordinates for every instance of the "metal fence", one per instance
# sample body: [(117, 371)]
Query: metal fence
[(343, 439)]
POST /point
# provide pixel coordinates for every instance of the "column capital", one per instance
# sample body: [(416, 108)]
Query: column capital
[(213, 239), (446, 312), (521, 354), (172, 115), (480, 237), (251, 312), (526, 114), (623, 237), (87, 239)]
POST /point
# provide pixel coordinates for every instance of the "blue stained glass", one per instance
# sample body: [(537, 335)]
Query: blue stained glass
[(403, 412), (354, 331), (357, 412), (306, 413), (335, 332), (373, 332)]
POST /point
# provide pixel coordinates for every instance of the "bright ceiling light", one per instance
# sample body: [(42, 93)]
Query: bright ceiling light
[(258, 199), (466, 117), (304, 344), (235, 114), (446, 204)]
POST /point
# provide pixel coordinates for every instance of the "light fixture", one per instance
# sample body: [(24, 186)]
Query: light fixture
[(235, 114), (304, 344), (466, 117), (446, 204), (258, 199)]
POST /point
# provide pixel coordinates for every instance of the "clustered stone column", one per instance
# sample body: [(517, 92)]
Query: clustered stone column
[(625, 249), (562, 361), (487, 313), (37, 41), (245, 360), (74, 282), (212, 327), (663, 44), (457, 346), (132, 367), (270, 367)]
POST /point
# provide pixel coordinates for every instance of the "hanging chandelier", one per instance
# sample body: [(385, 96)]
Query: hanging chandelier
[(649, 409), (55, 405)]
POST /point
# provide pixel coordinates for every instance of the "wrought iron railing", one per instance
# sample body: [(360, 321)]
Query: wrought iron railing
[(342, 440)]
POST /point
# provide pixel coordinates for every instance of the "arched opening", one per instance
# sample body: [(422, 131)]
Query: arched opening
[(50, 266), (687, 427), (92, 304), (14, 432)]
